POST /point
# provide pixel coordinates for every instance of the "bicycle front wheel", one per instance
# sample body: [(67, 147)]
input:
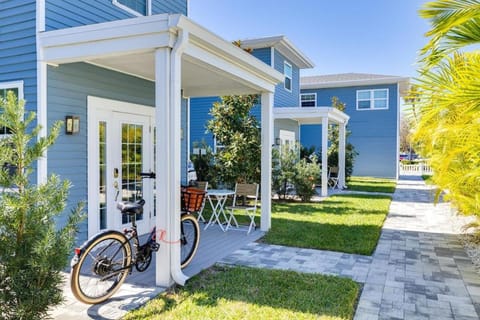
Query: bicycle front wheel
[(101, 268), (189, 238)]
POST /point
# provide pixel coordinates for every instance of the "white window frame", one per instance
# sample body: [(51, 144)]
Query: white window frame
[(12, 85), (217, 146), (131, 11), (308, 94), (372, 99), (286, 63)]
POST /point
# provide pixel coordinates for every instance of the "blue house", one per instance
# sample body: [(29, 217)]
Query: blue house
[(123, 72), (279, 53), (373, 104)]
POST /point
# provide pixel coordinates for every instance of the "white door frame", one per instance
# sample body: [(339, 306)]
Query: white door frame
[(99, 109)]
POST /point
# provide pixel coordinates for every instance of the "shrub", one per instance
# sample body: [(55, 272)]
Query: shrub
[(33, 252), (306, 174)]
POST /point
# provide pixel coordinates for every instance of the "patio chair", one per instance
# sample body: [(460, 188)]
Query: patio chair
[(245, 199), (333, 177), (202, 185)]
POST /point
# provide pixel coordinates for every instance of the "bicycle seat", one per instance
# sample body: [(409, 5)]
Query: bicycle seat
[(131, 208)]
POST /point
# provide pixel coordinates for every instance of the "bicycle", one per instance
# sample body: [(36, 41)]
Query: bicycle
[(102, 263)]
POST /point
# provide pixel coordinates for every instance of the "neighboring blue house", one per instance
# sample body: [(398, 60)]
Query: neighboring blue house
[(373, 104), (279, 53), (123, 72)]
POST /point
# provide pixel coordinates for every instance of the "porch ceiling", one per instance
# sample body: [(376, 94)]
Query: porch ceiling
[(210, 65), (311, 115)]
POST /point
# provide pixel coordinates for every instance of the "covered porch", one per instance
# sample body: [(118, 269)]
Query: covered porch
[(323, 116), (183, 60)]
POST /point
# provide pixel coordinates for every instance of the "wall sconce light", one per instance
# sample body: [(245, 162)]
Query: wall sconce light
[(277, 141), (72, 125)]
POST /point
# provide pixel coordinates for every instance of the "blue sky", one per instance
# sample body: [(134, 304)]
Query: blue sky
[(365, 36)]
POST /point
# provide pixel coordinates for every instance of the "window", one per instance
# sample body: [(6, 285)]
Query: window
[(17, 88), (376, 99), (217, 147), (135, 7), (308, 99), (287, 71)]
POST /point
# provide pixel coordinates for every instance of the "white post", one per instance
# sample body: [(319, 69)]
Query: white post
[(324, 157), (341, 154), (267, 140), (165, 181)]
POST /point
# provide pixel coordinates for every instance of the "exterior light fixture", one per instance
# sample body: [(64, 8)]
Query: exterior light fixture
[(72, 125)]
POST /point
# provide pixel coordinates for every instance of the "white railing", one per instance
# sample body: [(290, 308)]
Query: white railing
[(419, 168)]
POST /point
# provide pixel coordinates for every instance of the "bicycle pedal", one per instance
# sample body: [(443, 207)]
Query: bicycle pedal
[(154, 246)]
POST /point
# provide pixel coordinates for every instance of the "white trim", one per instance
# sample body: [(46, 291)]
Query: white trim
[(308, 93), (286, 63), (372, 99), (148, 9), (324, 191), (42, 165)]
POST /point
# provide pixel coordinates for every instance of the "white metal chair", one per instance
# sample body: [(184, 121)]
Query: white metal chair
[(246, 199), (202, 185), (333, 177)]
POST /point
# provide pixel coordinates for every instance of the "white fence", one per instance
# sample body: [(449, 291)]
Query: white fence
[(416, 169)]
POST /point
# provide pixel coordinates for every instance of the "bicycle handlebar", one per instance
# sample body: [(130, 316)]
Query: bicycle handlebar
[(150, 175)]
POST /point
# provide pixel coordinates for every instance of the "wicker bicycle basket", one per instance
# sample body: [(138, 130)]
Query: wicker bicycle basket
[(192, 199)]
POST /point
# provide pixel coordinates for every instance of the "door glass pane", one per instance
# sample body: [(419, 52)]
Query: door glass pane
[(102, 196), (132, 187)]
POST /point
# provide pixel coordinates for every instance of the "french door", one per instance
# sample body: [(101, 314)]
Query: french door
[(120, 148)]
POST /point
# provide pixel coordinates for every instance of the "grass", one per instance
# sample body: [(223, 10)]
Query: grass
[(249, 293), (368, 184), (348, 223)]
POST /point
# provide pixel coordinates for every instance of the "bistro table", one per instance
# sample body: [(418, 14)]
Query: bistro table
[(217, 199)]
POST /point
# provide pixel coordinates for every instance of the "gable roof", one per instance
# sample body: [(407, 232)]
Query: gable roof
[(284, 46), (352, 79)]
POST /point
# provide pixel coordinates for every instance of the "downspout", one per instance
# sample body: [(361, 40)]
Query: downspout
[(175, 97)]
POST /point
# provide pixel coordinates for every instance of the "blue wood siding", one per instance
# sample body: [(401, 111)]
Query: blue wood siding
[(18, 58), (283, 97), (199, 115), (62, 14), (169, 6), (263, 54), (68, 88), (374, 132)]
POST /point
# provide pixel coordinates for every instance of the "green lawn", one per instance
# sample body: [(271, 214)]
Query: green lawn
[(247, 293), (368, 184), (347, 223)]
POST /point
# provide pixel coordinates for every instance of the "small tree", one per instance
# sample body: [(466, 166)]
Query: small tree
[(238, 132), (33, 252), (333, 137)]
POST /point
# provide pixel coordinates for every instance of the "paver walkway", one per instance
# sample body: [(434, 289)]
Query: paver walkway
[(419, 269)]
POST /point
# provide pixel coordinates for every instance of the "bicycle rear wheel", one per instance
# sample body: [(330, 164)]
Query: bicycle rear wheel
[(102, 267), (189, 238)]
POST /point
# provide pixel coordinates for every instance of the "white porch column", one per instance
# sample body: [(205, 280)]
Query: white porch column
[(165, 181), (341, 154), (324, 156), (267, 140)]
